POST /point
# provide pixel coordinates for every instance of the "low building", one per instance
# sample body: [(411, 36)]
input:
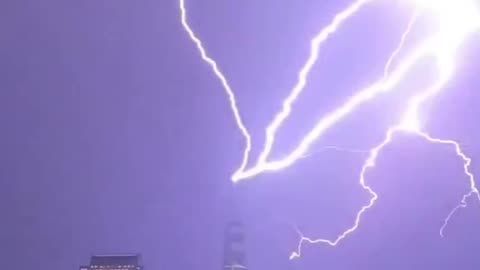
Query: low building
[(114, 262)]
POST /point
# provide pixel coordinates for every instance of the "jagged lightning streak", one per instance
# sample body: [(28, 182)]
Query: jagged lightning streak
[(321, 37), (456, 20), (444, 48), (466, 167), (327, 122), (405, 34), (405, 126), (223, 80), (302, 76), (374, 196), (262, 165), (370, 162)]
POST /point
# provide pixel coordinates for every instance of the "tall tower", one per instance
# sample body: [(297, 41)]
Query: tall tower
[(234, 257)]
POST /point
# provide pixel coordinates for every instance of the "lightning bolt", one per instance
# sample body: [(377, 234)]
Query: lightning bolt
[(455, 21), (405, 34), (223, 80)]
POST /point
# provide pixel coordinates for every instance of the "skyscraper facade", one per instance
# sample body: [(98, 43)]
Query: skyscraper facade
[(114, 262), (234, 247)]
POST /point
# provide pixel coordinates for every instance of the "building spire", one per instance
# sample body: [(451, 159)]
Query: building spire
[(234, 247)]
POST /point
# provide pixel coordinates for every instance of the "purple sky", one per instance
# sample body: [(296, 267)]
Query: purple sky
[(116, 137)]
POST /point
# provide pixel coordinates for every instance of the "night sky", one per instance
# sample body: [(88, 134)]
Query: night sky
[(116, 137)]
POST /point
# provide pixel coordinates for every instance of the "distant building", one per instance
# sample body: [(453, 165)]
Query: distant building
[(114, 262), (234, 257)]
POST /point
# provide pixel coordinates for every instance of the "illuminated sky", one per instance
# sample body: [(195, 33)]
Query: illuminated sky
[(118, 138)]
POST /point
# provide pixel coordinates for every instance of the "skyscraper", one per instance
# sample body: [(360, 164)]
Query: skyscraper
[(114, 262), (234, 247)]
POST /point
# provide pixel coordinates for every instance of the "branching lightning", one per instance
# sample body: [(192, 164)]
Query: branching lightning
[(455, 21), (405, 34)]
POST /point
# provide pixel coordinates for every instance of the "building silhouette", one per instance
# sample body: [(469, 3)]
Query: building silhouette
[(114, 262), (234, 257)]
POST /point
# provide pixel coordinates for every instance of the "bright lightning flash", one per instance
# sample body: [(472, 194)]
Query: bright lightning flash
[(455, 21)]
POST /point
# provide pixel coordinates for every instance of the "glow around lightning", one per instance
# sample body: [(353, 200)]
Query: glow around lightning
[(455, 21)]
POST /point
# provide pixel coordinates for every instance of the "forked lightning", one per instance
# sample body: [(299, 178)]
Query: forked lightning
[(455, 21)]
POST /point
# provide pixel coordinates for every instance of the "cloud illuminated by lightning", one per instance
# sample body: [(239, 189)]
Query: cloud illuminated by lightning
[(455, 20)]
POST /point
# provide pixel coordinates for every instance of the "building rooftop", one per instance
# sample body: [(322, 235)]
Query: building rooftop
[(115, 260)]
